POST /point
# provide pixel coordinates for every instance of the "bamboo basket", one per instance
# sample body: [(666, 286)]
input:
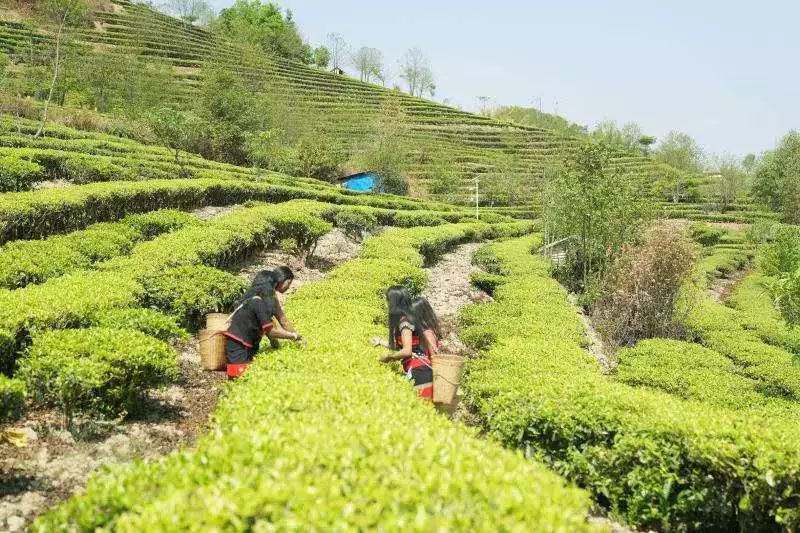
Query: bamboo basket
[(212, 350), (212, 342), (447, 370)]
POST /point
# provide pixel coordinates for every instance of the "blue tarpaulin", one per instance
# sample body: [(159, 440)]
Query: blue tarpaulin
[(363, 182)]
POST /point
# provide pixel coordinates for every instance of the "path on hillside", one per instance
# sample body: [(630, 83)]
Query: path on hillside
[(55, 463), (449, 289)]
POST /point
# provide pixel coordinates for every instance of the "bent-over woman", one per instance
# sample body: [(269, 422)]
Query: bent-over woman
[(253, 318), (404, 337)]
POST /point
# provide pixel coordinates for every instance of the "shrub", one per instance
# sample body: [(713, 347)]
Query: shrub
[(307, 448), (355, 224), (192, 291), (18, 174), (782, 255), (148, 321), (12, 398), (105, 371), (158, 222), (639, 295), (486, 281), (705, 234), (656, 460), (92, 169)]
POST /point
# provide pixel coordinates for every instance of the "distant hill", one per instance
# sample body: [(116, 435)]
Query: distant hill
[(476, 145)]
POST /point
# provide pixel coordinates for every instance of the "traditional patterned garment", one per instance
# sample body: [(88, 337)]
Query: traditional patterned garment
[(418, 367)]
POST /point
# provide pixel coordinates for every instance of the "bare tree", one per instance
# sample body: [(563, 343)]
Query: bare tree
[(484, 100), (338, 47), (415, 70), (368, 62), (190, 11), (63, 14)]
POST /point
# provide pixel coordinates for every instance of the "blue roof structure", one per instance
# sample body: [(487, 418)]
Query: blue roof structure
[(361, 182)]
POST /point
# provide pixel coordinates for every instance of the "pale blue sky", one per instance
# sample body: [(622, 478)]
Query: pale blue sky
[(727, 73)]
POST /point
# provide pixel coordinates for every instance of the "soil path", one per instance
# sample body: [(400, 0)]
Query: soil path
[(55, 463), (449, 289), (721, 288)]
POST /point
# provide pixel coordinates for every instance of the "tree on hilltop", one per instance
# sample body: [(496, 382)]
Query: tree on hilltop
[(265, 25), (368, 62), (338, 48), (679, 150), (416, 71), (190, 11), (322, 57)]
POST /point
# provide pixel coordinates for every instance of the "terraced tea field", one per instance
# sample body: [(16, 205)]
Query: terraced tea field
[(479, 146)]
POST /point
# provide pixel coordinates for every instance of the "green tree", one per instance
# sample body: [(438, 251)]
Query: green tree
[(528, 116), (177, 131), (322, 57), (776, 179), (229, 110), (442, 178), (385, 151), (596, 208), (368, 62), (679, 150), (729, 181), (62, 14), (265, 25)]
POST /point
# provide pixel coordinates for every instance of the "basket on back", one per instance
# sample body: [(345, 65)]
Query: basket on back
[(447, 370), (212, 342)]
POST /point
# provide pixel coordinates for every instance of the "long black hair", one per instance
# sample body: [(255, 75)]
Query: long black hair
[(425, 316), (399, 300), (266, 281)]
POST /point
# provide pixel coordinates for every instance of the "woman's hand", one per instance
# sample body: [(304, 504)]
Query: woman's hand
[(388, 358), (377, 341)]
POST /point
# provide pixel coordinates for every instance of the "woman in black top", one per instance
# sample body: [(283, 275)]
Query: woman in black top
[(253, 317)]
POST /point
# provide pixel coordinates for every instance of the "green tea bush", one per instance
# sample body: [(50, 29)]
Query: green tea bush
[(190, 292), (12, 398), (157, 222), (705, 234), (39, 213), (655, 459), (97, 370), (92, 169), (486, 281), (355, 224), (18, 174), (24, 262), (148, 321), (349, 453)]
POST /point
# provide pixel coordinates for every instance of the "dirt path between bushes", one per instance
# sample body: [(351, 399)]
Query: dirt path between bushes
[(54, 463), (449, 289)]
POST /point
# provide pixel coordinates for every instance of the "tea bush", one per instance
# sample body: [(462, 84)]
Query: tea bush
[(18, 174), (655, 459), (12, 398), (106, 371), (190, 292), (326, 436)]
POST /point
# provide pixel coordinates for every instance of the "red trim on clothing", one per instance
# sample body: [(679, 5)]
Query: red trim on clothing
[(267, 327), (237, 339), (236, 370), (426, 392)]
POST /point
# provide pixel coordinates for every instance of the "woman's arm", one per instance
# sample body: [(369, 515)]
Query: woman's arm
[(405, 352), (431, 341), (277, 332), (281, 316)]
